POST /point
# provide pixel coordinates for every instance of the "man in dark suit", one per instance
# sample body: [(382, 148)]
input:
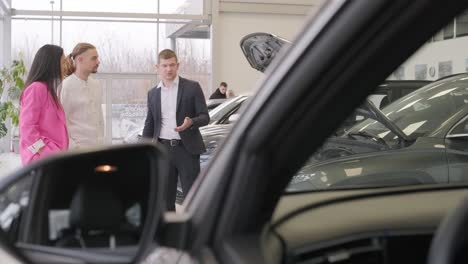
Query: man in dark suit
[(176, 109)]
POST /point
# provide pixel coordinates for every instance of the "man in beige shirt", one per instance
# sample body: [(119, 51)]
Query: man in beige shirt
[(81, 98)]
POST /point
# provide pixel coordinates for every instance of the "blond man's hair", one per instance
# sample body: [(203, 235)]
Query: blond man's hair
[(79, 49)]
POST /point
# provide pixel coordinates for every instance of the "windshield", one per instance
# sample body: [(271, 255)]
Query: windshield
[(422, 111), (370, 155), (219, 112)]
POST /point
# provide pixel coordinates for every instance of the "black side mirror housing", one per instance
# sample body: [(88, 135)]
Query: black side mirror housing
[(98, 188)]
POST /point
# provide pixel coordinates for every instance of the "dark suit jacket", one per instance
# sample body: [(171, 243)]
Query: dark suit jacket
[(190, 103)]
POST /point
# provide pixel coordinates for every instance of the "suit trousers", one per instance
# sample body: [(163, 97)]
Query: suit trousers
[(184, 166)]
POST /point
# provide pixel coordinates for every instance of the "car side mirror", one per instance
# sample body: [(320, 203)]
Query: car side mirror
[(82, 206), (233, 118)]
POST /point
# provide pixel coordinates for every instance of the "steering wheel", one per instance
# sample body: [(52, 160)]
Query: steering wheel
[(451, 237)]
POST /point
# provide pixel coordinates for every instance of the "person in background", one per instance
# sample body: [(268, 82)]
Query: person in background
[(42, 124), (176, 109), (220, 92), (81, 98)]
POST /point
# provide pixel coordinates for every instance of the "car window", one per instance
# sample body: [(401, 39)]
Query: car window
[(461, 129), (234, 113), (401, 144), (377, 99), (220, 112), (422, 111), (213, 103), (406, 91)]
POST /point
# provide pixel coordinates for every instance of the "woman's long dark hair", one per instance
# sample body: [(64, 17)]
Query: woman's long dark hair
[(46, 67)]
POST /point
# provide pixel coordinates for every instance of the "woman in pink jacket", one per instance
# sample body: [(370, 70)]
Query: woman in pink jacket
[(42, 122)]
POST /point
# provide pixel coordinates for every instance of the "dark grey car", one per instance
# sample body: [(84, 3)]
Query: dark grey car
[(428, 143)]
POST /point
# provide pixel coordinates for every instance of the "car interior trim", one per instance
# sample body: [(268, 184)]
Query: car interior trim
[(354, 197)]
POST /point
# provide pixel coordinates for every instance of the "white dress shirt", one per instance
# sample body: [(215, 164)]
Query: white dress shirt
[(168, 110), (81, 101)]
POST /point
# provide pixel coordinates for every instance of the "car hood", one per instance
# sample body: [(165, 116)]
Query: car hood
[(349, 145), (261, 48), (372, 168)]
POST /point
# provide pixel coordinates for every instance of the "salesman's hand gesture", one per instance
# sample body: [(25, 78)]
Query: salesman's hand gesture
[(187, 123)]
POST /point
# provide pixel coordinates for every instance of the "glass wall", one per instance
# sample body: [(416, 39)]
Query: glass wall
[(128, 37), (194, 7), (122, 46), (195, 61), (188, 7), (27, 36), (123, 6), (124, 103), (33, 5)]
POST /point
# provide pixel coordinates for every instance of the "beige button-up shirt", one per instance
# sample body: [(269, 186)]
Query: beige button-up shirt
[(81, 101)]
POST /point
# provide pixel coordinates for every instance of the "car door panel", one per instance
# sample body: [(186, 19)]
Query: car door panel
[(457, 158)]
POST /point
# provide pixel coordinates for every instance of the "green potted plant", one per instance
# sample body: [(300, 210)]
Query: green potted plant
[(11, 86)]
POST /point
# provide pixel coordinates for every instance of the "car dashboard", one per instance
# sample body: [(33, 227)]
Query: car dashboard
[(391, 225)]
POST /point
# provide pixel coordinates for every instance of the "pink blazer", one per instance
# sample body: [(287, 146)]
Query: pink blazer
[(42, 125)]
